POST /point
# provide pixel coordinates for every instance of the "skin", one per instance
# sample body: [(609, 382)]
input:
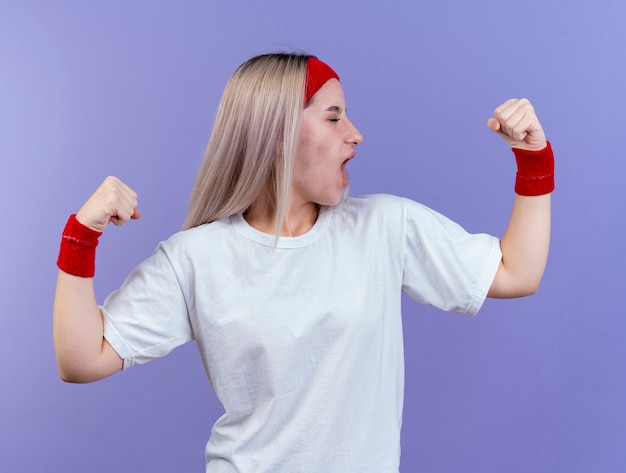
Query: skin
[(325, 145)]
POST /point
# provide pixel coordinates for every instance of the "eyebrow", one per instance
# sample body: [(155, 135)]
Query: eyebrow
[(334, 108)]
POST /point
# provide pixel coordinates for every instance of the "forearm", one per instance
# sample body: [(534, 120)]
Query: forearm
[(525, 246), (82, 353)]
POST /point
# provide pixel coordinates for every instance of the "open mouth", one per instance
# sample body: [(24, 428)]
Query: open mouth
[(344, 174)]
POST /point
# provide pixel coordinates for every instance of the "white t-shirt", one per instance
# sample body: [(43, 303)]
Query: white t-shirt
[(302, 340)]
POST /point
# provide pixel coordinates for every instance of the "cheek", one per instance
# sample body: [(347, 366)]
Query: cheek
[(309, 145), (314, 156), (309, 155)]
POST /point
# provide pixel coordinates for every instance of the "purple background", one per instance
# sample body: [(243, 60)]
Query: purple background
[(89, 89)]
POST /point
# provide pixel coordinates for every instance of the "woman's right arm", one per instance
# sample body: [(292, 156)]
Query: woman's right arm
[(83, 354)]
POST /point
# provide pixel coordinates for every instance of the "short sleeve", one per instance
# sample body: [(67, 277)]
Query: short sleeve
[(147, 317), (444, 265)]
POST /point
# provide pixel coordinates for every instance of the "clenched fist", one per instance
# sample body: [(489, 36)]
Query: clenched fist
[(516, 122), (113, 202)]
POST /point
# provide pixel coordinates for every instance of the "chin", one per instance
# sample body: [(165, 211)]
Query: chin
[(336, 199)]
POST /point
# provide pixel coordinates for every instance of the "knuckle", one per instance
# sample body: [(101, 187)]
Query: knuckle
[(525, 103), (111, 193)]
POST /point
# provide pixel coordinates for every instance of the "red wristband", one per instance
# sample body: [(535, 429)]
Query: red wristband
[(535, 171), (78, 249)]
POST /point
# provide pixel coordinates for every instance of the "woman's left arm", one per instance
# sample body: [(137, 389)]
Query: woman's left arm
[(526, 240)]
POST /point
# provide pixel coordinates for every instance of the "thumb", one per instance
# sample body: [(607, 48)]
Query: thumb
[(136, 214), (494, 124)]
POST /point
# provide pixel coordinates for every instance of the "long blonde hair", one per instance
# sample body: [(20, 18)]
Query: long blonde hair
[(253, 141)]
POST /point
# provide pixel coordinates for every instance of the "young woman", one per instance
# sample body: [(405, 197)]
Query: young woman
[(291, 289)]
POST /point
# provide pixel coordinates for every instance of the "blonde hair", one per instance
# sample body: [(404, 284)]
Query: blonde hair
[(253, 142)]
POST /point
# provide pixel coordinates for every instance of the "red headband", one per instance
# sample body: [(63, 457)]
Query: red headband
[(317, 74)]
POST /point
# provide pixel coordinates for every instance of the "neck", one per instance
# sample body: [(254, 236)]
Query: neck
[(299, 219)]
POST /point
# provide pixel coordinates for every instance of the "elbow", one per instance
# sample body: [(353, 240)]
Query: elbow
[(72, 376), (530, 284), (77, 378), (508, 285), (79, 365), (527, 288), (73, 373)]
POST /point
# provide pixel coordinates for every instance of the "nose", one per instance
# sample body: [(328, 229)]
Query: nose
[(354, 136)]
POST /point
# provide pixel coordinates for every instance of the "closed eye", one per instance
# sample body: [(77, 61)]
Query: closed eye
[(337, 112)]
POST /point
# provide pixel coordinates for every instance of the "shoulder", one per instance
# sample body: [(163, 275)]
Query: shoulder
[(379, 214), (373, 203), (400, 214), (198, 238), (386, 205)]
